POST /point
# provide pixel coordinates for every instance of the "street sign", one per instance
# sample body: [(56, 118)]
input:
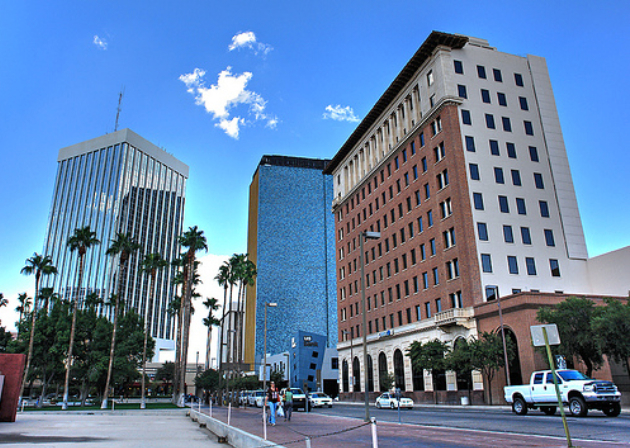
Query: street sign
[(538, 339)]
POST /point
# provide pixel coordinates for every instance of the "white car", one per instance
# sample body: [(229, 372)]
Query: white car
[(320, 399), (388, 400), (257, 398)]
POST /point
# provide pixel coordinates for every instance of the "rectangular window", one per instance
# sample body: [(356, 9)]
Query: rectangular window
[(432, 246), (415, 284), (497, 75), (526, 236), (404, 155), (485, 96), (438, 305), (427, 191), (486, 263), (418, 198), (478, 201), (423, 253), (415, 172), (456, 299), (425, 280), (508, 235), (531, 266), (482, 231), (502, 99), (442, 179), (446, 208), (412, 255), (420, 225), (396, 164), (466, 119), (430, 78), (555, 267), (544, 209), (549, 239), (490, 121), (507, 125), (449, 237), (424, 165), (511, 150), (461, 91), (421, 139), (474, 171), (538, 181), (436, 277), (439, 152), (533, 154), (512, 264), (459, 67), (408, 315), (494, 147), (523, 101), (516, 178), (418, 313), (503, 204), (518, 79), (430, 218), (427, 309), (492, 292), (481, 71), (529, 128), (520, 206), (470, 143), (498, 175)]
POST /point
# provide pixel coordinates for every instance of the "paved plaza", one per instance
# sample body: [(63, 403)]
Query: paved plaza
[(124, 429)]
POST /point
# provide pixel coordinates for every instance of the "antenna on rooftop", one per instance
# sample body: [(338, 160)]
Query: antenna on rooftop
[(120, 97)]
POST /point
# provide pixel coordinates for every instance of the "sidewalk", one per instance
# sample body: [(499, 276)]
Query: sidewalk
[(120, 429), (328, 431)]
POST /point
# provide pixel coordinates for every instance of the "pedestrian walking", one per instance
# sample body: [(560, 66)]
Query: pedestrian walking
[(272, 398), (288, 404)]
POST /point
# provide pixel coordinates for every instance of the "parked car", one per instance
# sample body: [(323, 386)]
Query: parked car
[(580, 392), (320, 399), (299, 399), (388, 400), (243, 397), (257, 398)]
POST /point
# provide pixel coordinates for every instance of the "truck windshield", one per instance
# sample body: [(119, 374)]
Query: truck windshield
[(572, 375)]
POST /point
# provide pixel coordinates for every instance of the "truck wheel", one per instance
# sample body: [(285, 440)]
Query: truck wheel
[(519, 406), (612, 410), (577, 406), (549, 410)]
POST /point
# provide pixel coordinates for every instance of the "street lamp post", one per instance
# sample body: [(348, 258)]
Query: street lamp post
[(365, 236), (505, 355)]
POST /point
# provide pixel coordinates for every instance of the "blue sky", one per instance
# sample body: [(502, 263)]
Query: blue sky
[(219, 84)]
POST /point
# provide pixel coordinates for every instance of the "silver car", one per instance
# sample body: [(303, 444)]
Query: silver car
[(388, 400)]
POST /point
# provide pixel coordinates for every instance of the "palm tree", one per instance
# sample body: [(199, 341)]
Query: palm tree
[(47, 295), (38, 265), (194, 240), (81, 240), (175, 309), (248, 279), (150, 265), (24, 306), (223, 279), (210, 321), (3, 302), (123, 246)]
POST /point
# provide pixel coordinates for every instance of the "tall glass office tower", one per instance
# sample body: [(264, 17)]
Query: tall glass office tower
[(119, 182)]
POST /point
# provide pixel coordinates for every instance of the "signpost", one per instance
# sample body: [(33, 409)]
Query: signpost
[(545, 335)]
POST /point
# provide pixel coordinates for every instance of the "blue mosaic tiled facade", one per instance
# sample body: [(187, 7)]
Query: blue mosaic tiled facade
[(295, 253), (307, 357)]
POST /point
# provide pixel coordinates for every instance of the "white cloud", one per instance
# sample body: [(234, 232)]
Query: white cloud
[(99, 42), (228, 93), (339, 113), (247, 40)]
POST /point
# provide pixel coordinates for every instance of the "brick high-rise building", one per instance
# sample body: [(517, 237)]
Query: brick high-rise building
[(461, 167)]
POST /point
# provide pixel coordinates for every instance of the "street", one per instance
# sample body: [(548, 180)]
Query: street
[(596, 426)]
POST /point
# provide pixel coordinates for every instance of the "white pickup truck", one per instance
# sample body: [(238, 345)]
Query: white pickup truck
[(578, 391)]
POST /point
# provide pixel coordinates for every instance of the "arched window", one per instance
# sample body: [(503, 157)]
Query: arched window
[(370, 386), (356, 373), (516, 377), (344, 376), (399, 370), (382, 371)]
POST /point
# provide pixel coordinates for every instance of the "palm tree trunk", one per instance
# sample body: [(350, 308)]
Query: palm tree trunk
[(31, 337), (66, 386), (111, 355), (186, 327), (223, 315), (147, 324), (177, 392)]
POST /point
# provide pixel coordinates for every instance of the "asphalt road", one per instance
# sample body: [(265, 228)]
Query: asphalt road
[(595, 427)]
